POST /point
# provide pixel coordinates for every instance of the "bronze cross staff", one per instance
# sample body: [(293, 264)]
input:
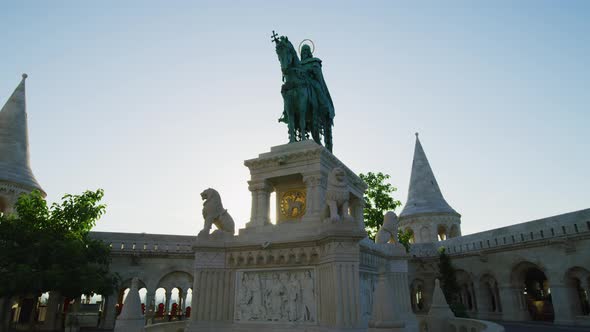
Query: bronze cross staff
[(274, 37)]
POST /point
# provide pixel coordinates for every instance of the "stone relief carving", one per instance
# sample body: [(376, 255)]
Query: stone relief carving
[(215, 214), (293, 204), (266, 257), (276, 296), (367, 290), (337, 196)]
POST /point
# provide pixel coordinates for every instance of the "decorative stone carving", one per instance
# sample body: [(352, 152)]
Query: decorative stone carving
[(266, 257), (276, 296), (367, 290), (337, 196), (215, 214), (388, 231), (293, 204)]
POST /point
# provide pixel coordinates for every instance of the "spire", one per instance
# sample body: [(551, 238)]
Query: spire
[(14, 141), (424, 195)]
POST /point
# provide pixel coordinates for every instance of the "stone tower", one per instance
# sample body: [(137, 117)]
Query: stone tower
[(16, 176), (426, 212)]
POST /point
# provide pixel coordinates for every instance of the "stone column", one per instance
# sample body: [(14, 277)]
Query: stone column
[(474, 299), (498, 302), (149, 306), (213, 292), (53, 311), (254, 207), (513, 303), (562, 304), (338, 281), (184, 299), (110, 313), (168, 305), (483, 301), (315, 185), (260, 203)]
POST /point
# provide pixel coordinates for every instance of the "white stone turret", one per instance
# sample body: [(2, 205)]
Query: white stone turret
[(16, 176), (426, 211)]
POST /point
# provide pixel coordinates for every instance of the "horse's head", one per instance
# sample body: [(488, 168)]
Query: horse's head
[(286, 52)]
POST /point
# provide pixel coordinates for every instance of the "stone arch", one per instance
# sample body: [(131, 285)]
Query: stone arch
[(577, 282), (467, 292), (123, 290), (442, 232), (417, 295), (412, 235), (178, 279), (490, 294), (531, 281)]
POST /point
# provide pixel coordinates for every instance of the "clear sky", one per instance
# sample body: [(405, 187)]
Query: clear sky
[(155, 101)]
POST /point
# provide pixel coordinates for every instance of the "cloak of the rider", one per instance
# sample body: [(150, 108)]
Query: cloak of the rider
[(313, 66)]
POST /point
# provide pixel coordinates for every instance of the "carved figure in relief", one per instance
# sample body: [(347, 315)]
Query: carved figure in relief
[(275, 295), (367, 288), (308, 297), (215, 214), (388, 231), (294, 297), (244, 296), (337, 196), (257, 307)]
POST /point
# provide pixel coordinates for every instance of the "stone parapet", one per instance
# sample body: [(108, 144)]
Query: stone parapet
[(556, 230)]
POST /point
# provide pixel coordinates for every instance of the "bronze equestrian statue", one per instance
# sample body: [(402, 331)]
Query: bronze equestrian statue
[(308, 107)]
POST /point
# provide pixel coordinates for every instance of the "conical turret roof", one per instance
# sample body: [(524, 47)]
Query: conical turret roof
[(14, 141), (424, 195)]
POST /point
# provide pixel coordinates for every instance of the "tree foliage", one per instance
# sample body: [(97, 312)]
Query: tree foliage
[(448, 283), (404, 238), (378, 200), (46, 248)]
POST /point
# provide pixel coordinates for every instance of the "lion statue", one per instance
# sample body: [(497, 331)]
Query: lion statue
[(337, 196), (388, 231), (215, 214)]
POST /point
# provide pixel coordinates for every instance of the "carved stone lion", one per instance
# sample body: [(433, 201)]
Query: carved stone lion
[(388, 231), (337, 196), (215, 214)]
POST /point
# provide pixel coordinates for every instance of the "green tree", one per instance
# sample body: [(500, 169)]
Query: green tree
[(378, 200), (46, 248), (448, 283)]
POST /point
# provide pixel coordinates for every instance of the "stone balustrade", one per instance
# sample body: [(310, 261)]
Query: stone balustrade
[(178, 326), (460, 325), (556, 229), (132, 243)]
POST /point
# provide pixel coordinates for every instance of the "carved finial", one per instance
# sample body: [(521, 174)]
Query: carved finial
[(25, 76), (416, 134)]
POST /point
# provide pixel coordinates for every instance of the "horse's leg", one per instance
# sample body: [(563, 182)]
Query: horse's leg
[(302, 104), (290, 120)]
